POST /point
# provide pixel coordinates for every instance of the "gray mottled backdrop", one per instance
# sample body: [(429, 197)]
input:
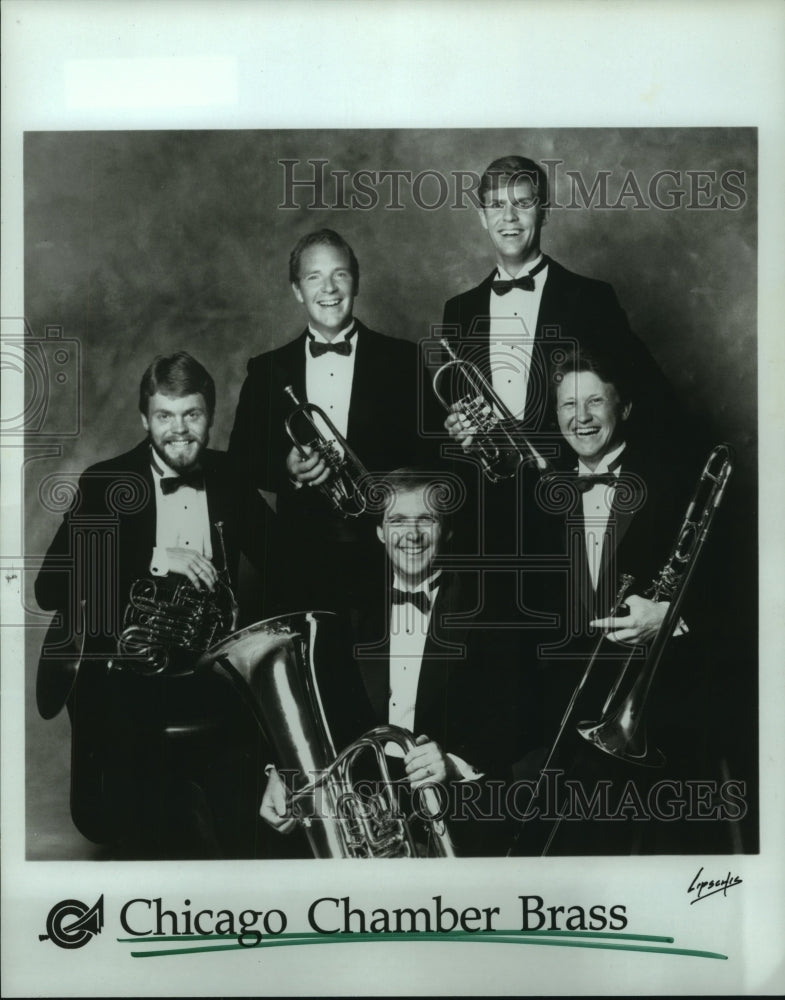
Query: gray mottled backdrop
[(140, 243)]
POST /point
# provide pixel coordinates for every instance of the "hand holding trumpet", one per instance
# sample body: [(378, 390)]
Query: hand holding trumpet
[(459, 428), (308, 470)]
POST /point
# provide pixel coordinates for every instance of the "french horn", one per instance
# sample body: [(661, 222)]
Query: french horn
[(168, 621)]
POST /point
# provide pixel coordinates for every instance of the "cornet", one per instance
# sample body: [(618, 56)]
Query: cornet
[(498, 442), (343, 488)]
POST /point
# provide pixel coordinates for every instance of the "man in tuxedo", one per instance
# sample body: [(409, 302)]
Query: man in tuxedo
[(428, 666), (614, 508), (156, 756), (530, 309), (367, 383), (522, 318)]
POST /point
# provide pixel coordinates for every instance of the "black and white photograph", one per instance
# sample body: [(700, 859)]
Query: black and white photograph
[(388, 488), (514, 557)]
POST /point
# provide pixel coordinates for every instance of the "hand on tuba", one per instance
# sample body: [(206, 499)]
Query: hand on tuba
[(427, 763), (275, 809)]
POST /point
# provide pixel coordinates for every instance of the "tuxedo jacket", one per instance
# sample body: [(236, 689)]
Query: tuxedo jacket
[(384, 411), (474, 696), (575, 311), (106, 541), (646, 514)]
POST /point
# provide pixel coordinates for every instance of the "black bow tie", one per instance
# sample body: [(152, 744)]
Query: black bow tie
[(418, 598), (318, 347), (503, 285), (585, 483), (170, 484)]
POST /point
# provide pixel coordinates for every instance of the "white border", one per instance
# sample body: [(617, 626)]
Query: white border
[(439, 64)]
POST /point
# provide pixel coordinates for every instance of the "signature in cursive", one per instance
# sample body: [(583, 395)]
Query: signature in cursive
[(709, 886)]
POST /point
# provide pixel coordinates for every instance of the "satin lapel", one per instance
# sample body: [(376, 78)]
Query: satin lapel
[(289, 369), (581, 581), (476, 325), (610, 569), (367, 377), (442, 648), (143, 524), (219, 506), (547, 336), (372, 652)]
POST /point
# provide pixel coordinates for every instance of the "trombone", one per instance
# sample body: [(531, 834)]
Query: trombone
[(343, 488), (498, 442), (620, 731)]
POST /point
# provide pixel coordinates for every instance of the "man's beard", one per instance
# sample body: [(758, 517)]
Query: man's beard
[(181, 460)]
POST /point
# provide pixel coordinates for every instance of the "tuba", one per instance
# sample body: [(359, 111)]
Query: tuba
[(343, 487), (620, 731), (498, 442), (272, 664), (167, 620)]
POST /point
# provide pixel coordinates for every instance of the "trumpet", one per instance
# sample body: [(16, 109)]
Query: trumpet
[(167, 619), (272, 665), (620, 731), (498, 443), (343, 488)]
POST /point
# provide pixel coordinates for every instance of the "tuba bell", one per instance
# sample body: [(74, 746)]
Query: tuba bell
[(343, 488), (272, 664), (498, 442)]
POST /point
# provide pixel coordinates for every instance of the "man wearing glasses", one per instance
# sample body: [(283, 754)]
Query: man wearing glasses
[(530, 309), (522, 319)]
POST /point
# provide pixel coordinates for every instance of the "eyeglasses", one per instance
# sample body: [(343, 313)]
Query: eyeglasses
[(499, 204)]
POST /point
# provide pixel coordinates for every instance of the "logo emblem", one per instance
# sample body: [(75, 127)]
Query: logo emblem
[(71, 924)]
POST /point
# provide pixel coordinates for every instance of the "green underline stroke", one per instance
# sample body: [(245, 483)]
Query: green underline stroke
[(562, 939), (614, 935)]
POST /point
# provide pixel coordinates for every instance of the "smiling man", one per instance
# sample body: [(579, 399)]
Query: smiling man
[(530, 310), (159, 760), (613, 507), (619, 489), (367, 384), (429, 667), (616, 510)]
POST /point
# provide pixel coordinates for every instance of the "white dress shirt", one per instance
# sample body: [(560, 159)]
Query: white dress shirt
[(408, 634), (182, 520), (511, 338), (328, 380), (597, 503)]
